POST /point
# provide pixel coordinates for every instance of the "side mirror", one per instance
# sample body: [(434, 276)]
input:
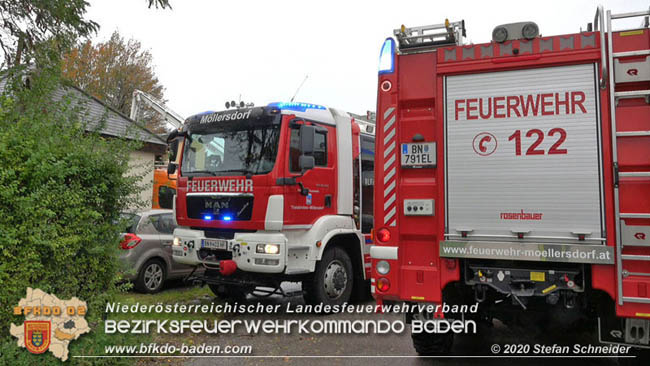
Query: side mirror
[(173, 149), (306, 162), (171, 168), (307, 136), (172, 135)]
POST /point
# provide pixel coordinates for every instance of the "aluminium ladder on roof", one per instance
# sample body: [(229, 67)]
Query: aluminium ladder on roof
[(428, 37)]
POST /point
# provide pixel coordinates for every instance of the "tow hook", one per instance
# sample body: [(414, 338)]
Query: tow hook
[(227, 267)]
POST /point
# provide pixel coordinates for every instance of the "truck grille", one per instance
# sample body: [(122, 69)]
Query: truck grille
[(231, 208)]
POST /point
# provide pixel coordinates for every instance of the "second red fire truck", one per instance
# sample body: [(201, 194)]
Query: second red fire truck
[(516, 174), (273, 194)]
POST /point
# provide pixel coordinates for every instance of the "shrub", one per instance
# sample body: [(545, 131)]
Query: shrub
[(61, 191)]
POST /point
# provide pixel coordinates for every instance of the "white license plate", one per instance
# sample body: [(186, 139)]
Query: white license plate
[(214, 244), (419, 154)]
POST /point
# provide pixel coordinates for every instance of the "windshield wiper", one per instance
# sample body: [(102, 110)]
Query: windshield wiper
[(243, 171), (212, 173)]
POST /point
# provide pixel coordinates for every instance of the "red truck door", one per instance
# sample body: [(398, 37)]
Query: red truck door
[(299, 209)]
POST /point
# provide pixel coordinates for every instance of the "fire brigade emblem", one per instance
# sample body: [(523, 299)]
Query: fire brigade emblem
[(485, 144), (50, 323), (37, 335)]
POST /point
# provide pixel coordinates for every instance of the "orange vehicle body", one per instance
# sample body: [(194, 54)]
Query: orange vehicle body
[(164, 189)]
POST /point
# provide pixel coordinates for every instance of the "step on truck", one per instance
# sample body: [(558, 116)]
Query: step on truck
[(273, 194), (516, 174)]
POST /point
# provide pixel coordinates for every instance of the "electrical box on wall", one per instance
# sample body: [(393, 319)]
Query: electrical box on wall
[(419, 207)]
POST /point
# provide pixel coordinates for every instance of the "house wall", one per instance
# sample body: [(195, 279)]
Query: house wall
[(141, 164)]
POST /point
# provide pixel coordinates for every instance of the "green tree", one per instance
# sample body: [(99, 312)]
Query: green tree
[(63, 186), (27, 23), (112, 70)]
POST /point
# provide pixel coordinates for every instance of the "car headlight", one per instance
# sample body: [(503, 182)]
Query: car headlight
[(177, 241), (267, 248), (383, 267)]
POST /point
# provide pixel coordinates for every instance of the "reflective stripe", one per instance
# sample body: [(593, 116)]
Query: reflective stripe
[(389, 149), (390, 170), (390, 214), (389, 188), (389, 123), (389, 201), (388, 162), (389, 136), (389, 175)]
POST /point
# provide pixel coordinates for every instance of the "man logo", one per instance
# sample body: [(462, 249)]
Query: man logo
[(37, 335)]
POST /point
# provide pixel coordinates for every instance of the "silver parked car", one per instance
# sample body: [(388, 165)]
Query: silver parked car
[(147, 248)]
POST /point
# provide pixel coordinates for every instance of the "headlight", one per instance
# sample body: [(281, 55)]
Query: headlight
[(177, 241), (267, 248), (383, 267)]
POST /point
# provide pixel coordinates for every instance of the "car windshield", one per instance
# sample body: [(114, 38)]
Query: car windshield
[(238, 150)]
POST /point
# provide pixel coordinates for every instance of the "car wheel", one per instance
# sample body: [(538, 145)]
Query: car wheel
[(151, 277), (332, 282)]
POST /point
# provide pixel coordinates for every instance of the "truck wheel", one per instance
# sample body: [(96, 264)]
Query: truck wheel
[(228, 292), (332, 282), (432, 344), (361, 290), (642, 357), (151, 277)]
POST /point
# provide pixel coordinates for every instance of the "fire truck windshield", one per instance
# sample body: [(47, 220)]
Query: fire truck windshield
[(239, 149)]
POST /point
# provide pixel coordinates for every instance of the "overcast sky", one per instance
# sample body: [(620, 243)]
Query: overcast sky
[(208, 52)]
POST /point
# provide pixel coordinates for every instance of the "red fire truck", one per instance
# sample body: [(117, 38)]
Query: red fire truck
[(516, 174), (276, 193)]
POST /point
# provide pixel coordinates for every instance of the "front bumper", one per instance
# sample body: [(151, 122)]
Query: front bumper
[(196, 249)]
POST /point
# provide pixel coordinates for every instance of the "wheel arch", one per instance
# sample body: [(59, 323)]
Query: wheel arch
[(349, 240)]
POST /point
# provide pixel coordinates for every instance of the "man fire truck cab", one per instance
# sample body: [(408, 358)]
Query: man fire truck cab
[(276, 193), (516, 174)]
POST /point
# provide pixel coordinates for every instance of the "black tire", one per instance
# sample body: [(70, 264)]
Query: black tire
[(432, 344), (228, 292), (361, 290), (151, 277), (333, 280), (642, 358)]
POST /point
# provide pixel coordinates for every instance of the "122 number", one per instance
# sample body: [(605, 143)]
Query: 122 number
[(539, 138)]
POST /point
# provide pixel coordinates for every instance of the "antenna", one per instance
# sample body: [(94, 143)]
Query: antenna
[(297, 90)]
